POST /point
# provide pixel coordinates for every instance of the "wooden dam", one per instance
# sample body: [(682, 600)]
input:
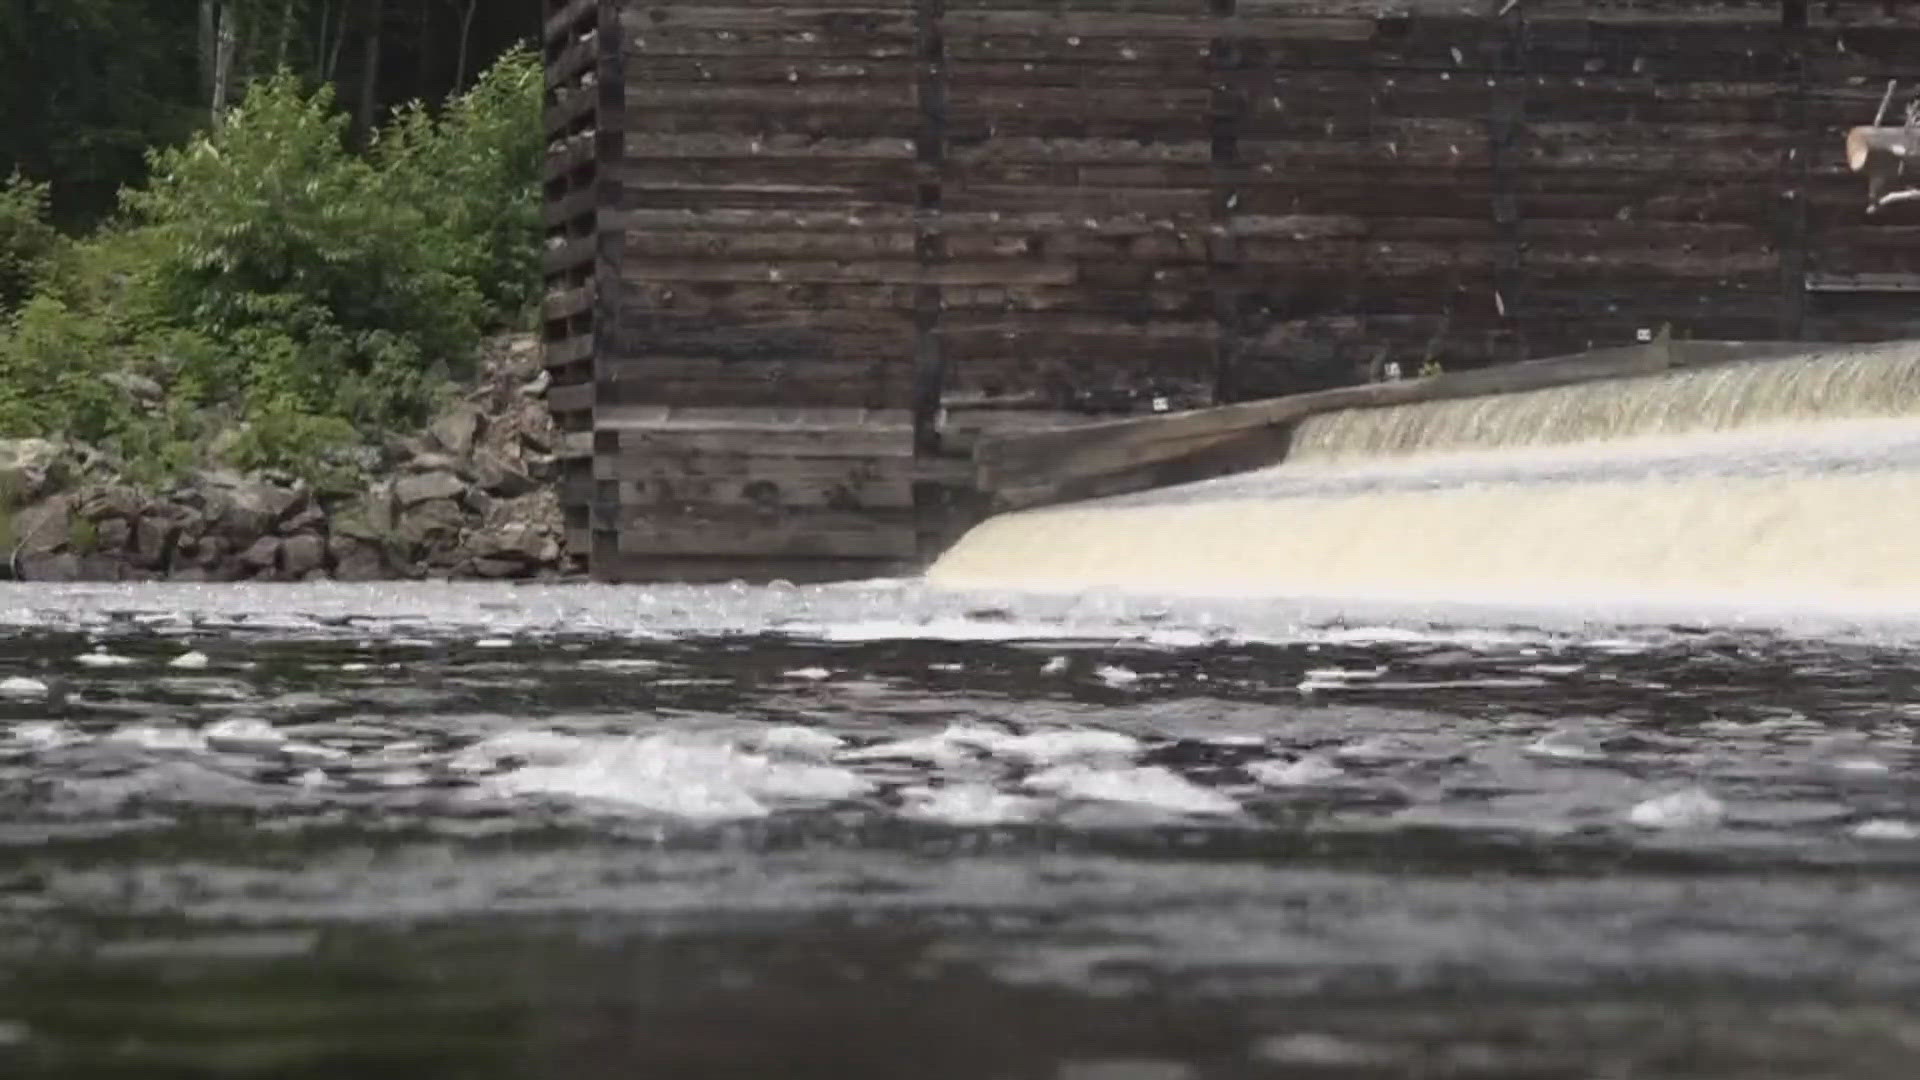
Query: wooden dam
[(827, 279)]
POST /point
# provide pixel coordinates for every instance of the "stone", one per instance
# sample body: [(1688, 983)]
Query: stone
[(263, 554), (430, 519), (64, 566), (113, 536), (153, 541), (537, 386), (411, 491), (30, 468), (205, 551), (101, 568), (110, 501), (309, 519), (487, 567), (543, 467), (356, 559), (303, 555), (431, 461), (458, 429), (244, 507), (45, 526), (500, 475)]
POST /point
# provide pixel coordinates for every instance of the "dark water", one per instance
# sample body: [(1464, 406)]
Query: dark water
[(883, 833)]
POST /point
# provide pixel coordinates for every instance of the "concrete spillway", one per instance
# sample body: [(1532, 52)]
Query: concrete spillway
[(1784, 481)]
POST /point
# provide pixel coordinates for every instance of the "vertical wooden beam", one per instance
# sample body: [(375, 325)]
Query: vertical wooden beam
[(1506, 127), (929, 241), (602, 514), (1227, 108), (1794, 114)]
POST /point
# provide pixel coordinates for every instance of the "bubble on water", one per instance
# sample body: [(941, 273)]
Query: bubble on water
[(494, 643), (1055, 666), (23, 686), (1149, 786), (190, 660), (156, 737), (1337, 678), (1305, 771), (1859, 765), (957, 744), (243, 734), (46, 735), (811, 674), (679, 777), (1064, 744), (1692, 808), (1886, 829), (312, 778), (795, 740), (968, 804), (1115, 675), (528, 746), (1568, 744), (101, 658)]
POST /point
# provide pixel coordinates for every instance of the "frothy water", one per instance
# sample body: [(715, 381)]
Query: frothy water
[(702, 832), (1781, 483)]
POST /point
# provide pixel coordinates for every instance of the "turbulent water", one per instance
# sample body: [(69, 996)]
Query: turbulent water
[(1790, 483), (883, 831)]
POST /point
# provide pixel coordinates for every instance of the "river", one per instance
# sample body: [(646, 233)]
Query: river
[(880, 830)]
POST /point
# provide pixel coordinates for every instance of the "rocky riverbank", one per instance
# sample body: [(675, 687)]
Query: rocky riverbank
[(472, 496)]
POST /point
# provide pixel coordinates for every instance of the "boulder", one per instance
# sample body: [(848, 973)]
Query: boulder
[(303, 555), (263, 556), (46, 566), (412, 491), (430, 461), (245, 507), (113, 536), (356, 559), (45, 526), (458, 429), (154, 537), (500, 475), (487, 567), (435, 519), (30, 468)]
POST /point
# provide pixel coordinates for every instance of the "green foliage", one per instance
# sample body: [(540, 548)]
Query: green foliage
[(478, 166), (290, 297), (27, 239)]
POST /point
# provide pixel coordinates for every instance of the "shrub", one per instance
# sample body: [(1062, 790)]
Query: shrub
[(27, 239), (305, 296)]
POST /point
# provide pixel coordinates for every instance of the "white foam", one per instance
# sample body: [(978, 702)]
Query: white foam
[(1692, 808), (189, 660), (1149, 786), (243, 733), (1308, 770), (101, 658), (794, 740), (156, 737), (46, 735), (23, 687), (968, 804), (680, 777), (1115, 675), (957, 744), (810, 674), (1062, 744), (1886, 829), (530, 746)]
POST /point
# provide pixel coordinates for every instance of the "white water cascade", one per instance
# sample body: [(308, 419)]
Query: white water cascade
[(1790, 482)]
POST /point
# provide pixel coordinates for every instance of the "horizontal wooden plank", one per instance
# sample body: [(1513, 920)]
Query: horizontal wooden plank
[(689, 440), (747, 532), (746, 479)]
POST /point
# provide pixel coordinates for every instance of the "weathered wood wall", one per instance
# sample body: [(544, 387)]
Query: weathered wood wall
[(802, 250)]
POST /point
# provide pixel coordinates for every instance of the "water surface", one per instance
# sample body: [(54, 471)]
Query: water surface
[(879, 831)]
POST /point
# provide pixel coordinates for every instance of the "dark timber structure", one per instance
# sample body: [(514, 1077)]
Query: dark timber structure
[(803, 255)]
